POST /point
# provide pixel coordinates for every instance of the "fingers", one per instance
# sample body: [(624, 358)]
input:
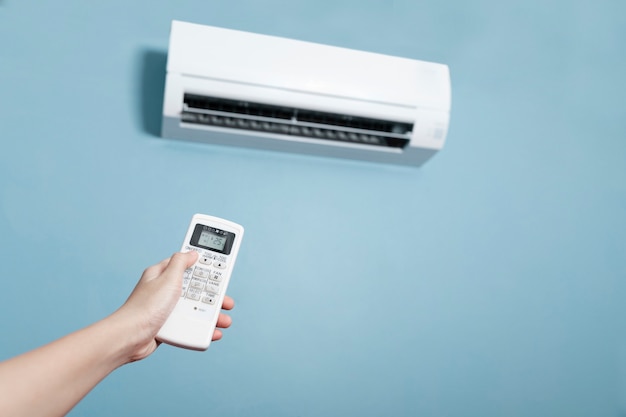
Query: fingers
[(217, 335), (228, 303), (177, 263), (155, 270), (224, 321), (181, 261)]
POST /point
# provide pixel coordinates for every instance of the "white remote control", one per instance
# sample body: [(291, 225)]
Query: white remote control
[(194, 318)]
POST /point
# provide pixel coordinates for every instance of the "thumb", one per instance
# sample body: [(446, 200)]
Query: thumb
[(181, 261)]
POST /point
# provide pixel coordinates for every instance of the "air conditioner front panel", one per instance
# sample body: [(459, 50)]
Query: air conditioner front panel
[(236, 88), (237, 56)]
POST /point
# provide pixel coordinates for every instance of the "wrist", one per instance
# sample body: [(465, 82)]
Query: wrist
[(135, 339)]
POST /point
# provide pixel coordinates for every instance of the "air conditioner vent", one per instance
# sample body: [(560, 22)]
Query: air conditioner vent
[(246, 115)]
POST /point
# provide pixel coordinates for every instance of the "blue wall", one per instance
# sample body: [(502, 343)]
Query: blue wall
[(490, 282)]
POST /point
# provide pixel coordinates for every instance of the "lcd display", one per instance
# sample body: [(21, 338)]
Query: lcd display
[(211, 238), (212, 241)]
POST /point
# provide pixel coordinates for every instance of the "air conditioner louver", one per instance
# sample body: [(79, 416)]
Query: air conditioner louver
[(245, 115)]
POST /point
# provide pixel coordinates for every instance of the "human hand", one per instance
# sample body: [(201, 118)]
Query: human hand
[(154, 298), (51, 379)]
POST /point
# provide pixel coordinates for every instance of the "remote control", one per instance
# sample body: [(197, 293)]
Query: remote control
[(194, 318)]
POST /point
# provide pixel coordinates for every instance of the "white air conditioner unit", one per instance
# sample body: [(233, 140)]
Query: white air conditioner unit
[(230, 87)]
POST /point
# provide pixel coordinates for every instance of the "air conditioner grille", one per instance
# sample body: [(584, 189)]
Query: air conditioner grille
[(245, 115)]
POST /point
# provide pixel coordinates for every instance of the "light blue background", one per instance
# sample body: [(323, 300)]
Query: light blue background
[(490, 282)]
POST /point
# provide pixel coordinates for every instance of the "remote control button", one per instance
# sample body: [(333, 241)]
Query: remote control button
[(187, 273), (197, 284), (209, 299), (200, 272), (206, 260), (220, 265), (216, 277), (213, 287), (193, 296)]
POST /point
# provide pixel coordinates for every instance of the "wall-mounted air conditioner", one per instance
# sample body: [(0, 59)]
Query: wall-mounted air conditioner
[(237, 88)]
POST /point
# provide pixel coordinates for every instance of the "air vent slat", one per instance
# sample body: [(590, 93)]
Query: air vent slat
[(236, 114)]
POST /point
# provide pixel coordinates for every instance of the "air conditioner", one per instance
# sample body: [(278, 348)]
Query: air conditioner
[(237, 88)]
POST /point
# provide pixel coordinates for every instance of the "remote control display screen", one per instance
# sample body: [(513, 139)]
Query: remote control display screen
[(213, 239)]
